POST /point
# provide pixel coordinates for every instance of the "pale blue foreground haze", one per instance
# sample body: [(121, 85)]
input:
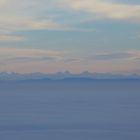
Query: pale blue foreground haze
[(70, 110)]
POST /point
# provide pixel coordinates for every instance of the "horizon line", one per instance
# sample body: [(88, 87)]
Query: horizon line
[(69, 72)]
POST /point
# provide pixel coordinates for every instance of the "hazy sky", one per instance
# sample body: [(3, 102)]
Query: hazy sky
[(74, 35)]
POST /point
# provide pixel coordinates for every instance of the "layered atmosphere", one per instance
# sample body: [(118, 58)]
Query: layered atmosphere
[(50, 36)]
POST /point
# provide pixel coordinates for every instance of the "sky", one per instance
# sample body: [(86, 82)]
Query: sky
[(50, 36)]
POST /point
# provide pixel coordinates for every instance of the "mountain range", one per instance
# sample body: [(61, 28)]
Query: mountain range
[(5, 76)]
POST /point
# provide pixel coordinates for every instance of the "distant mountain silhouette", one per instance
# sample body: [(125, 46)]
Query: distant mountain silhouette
[(66, 76)]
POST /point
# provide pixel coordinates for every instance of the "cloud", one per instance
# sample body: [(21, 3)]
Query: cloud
[(15, 23), (133, 55), (11, 38), (111, 56), (105, 9), (18, 15), (72, 60), (135, 36), (29, 52), (2, 2), (14, 55), (27, 59)]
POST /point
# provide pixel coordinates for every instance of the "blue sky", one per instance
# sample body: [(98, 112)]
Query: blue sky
[(75, 35)]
